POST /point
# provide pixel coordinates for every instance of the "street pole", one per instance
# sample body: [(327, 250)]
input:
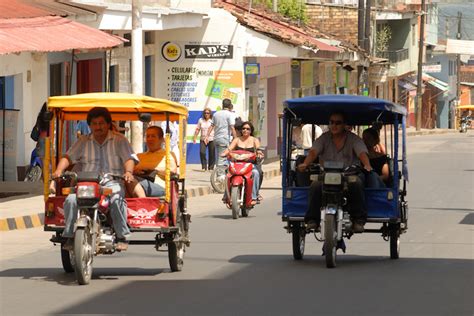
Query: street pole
[(368, 9), (360, 24), (137, 71), (419, 88), (275, 5), (458, 73)]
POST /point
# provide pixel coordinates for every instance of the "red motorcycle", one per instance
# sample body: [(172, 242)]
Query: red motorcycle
[(239, 182)]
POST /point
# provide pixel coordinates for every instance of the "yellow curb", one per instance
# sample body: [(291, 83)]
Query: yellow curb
[(3, 225), (20, 223), (35, 220)]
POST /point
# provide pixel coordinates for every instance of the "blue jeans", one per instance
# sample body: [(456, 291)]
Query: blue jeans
[(221, 161), (117, 208), (373, 181), (256, 182), (151, 188)]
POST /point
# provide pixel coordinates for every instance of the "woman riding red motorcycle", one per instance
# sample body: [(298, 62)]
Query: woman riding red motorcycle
[(247, 142)]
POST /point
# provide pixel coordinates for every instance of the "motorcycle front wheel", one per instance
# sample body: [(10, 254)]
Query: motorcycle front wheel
[(330, 242), (33, 174), (83, 255), (235, 195)]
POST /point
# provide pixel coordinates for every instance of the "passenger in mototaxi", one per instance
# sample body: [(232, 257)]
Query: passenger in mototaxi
[(149, 173), (339, 144)]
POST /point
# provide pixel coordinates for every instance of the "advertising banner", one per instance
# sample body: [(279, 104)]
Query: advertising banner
[(199, 75)]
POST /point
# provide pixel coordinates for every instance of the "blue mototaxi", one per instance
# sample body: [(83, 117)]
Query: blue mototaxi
[(385, 206)]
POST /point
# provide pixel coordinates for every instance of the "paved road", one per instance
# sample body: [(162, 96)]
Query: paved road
[(245, 267)]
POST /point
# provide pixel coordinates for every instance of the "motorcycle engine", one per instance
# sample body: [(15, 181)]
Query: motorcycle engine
[(106, 242)]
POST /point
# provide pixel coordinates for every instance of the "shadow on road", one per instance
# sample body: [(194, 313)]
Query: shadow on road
[(261, 285), (57, 275)]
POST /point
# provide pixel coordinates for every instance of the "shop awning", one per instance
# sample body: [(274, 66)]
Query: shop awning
[(406, 84), (51, 34), (439, 84)]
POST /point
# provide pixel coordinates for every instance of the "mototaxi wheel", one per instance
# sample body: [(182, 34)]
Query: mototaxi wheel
[(218, 179), (67, 259), (298, 234), (33, 174), (235, 195), (83, 255), (176, 255), (394, 238), (330, 242)]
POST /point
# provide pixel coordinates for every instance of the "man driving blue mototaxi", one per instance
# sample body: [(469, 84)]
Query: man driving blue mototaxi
[(102, 151), (340, 145)]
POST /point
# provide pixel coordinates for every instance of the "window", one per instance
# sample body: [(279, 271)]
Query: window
[(127, 36), (413, 34), (450, 68)]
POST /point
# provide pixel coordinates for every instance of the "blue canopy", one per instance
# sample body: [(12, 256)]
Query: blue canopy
[(359, 110)]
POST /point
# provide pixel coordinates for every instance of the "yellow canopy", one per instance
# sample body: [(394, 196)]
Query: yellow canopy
[(123, 106), (466, 107)]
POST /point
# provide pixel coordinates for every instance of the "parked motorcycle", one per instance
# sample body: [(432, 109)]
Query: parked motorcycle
[(239, 182), (35, 170)]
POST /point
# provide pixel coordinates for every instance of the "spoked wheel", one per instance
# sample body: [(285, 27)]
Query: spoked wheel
[(394, 241), (218, 179), (330, 241), (176, 255), (298, 236), (83, 255), (67, 259), (33, 174), (235, 195)]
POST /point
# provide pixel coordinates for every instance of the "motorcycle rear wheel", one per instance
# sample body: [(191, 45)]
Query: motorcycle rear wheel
[(83, 255), (33, 174), (330, 242), (235, 195), (218, 179)]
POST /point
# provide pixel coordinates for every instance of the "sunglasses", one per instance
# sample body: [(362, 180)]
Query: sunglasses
[(246, 128), (331, 122), (207, 112)]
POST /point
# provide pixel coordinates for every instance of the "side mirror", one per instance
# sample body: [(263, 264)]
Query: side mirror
[(144, 117), (47, 116)]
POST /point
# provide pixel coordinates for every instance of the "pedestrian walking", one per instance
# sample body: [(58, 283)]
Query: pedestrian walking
[(205, 125), (224, 122)]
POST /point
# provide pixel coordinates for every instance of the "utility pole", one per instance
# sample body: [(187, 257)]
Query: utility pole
[(458, 69), (419, 88), (368, 9), (137, 70), (360, 24), (275, 5)]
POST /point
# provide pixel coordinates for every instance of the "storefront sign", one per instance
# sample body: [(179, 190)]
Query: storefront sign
[(252, 69), (208, 51), (431, 68)]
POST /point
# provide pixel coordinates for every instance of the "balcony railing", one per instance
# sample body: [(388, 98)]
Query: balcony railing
[(394, 56)]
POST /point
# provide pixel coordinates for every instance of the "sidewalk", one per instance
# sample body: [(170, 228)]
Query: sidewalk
[(25, 208)]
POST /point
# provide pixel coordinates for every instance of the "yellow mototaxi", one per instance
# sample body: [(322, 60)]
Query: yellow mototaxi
[(164, 219)]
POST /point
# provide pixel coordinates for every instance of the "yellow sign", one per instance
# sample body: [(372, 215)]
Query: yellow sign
[(171, 51)]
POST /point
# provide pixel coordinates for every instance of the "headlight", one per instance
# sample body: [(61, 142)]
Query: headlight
[(241, 157), (332, 178), (87, 191)]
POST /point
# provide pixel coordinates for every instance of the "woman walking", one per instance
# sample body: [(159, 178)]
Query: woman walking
[(206, 126)]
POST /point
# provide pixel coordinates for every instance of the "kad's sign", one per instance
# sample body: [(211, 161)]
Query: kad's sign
[(208, 51)]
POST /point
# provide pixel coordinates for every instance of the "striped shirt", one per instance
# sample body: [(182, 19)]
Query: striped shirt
[(108, 157)]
